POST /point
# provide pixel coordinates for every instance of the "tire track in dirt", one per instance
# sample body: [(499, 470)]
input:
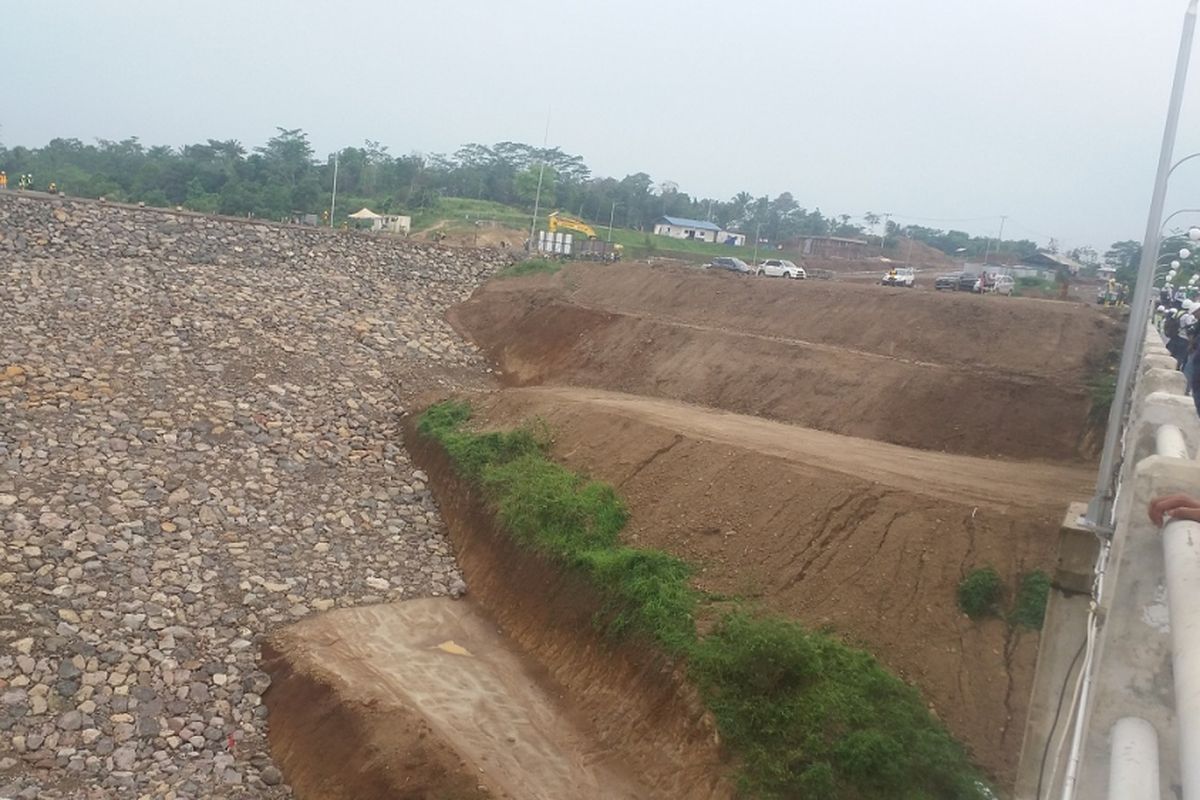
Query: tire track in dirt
[(1001, 485)]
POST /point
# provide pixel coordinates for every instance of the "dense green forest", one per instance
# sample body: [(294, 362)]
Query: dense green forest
[(285, 177)]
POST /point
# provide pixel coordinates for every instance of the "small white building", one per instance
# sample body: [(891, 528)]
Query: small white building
[(697, 230), (391, 223)]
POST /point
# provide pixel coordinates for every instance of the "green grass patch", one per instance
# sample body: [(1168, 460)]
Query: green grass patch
[(980, 592), (1102, 389), (530, 266), (1030, 609), (807, 715), (459, 214)]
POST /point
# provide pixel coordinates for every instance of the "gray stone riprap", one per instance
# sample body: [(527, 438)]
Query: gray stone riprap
[(199, 442)]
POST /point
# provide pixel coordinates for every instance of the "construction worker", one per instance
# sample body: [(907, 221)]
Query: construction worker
[(53, 188), (3, 181)]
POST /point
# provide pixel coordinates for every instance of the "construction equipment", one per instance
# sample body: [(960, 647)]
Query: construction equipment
[(556, 220), (556, 241)]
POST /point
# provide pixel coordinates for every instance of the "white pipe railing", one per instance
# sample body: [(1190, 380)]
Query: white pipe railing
[(1169, 442), (1181, 549), (1133, 767)]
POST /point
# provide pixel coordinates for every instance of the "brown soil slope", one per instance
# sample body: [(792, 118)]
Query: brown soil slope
[(964, 374), (423, 700), (869, 539)]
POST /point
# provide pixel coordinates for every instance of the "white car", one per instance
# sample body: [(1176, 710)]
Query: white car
[(900, 276), (781, 268), (996, 284)]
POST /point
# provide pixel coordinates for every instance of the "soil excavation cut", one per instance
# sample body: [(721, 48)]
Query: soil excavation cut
[(870, 540), (424, 699), (985, 376)]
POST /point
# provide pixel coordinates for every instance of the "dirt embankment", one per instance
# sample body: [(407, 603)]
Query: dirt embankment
[(512, 694), (868, 539), (997, 377), (636, 704)]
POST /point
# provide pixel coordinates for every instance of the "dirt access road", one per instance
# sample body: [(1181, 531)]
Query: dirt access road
[(1002, 485)]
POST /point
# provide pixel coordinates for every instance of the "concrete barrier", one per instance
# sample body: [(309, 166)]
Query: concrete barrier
[(1133, 770), (1156, 361), (1181, 551)]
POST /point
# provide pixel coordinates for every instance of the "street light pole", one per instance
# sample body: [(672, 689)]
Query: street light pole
[(757, 230), (537, 197), (1101, 507), (612, 211), (333, 199)]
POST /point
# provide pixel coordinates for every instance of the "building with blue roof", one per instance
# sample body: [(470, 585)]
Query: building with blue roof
[(697, 230)]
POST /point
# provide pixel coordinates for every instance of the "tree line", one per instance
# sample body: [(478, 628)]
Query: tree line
[(284, 178)]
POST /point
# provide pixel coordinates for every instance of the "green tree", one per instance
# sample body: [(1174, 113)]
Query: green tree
[(1124, 257), (526, 186)]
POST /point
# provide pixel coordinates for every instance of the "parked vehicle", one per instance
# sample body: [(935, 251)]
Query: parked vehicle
[(950, 281), (781, 268), (994, 284), (966, 282), (900, 276), (730, 264), (1005, 285)]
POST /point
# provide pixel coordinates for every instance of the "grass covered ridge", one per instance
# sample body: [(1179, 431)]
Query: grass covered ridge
[(807, 715), (530, 266)]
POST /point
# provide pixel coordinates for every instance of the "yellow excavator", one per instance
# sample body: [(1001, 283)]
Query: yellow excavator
[(556, 220), (592, 249)]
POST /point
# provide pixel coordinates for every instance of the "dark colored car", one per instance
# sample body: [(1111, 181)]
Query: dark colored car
[(729, 263), (949, 282), (966, 281)]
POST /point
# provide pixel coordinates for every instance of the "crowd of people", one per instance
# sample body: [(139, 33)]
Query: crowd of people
[(1178, 313)]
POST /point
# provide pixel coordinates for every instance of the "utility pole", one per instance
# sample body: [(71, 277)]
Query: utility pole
[(883, 236), (757, 230), (537, 198), (333, 199), (612, 211)]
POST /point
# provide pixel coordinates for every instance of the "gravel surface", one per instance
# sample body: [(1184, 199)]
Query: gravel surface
[(192, 454)]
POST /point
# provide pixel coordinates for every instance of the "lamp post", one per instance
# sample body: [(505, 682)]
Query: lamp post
[(333, 198), (1100, 509), (611, 212)]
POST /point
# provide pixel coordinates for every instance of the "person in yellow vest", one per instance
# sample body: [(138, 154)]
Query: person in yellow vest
[(3, 181)]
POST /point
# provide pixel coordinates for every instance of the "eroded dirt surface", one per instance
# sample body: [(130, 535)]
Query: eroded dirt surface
[(868, 539), (986, 376), (444, 668)]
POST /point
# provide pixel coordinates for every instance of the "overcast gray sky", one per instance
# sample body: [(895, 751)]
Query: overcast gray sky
[(1049, 111)]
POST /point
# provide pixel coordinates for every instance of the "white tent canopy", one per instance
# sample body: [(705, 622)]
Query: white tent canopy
[(365, 213)]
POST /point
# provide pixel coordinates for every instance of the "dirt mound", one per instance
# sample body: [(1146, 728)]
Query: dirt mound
[(959, 373), (866, 538)]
